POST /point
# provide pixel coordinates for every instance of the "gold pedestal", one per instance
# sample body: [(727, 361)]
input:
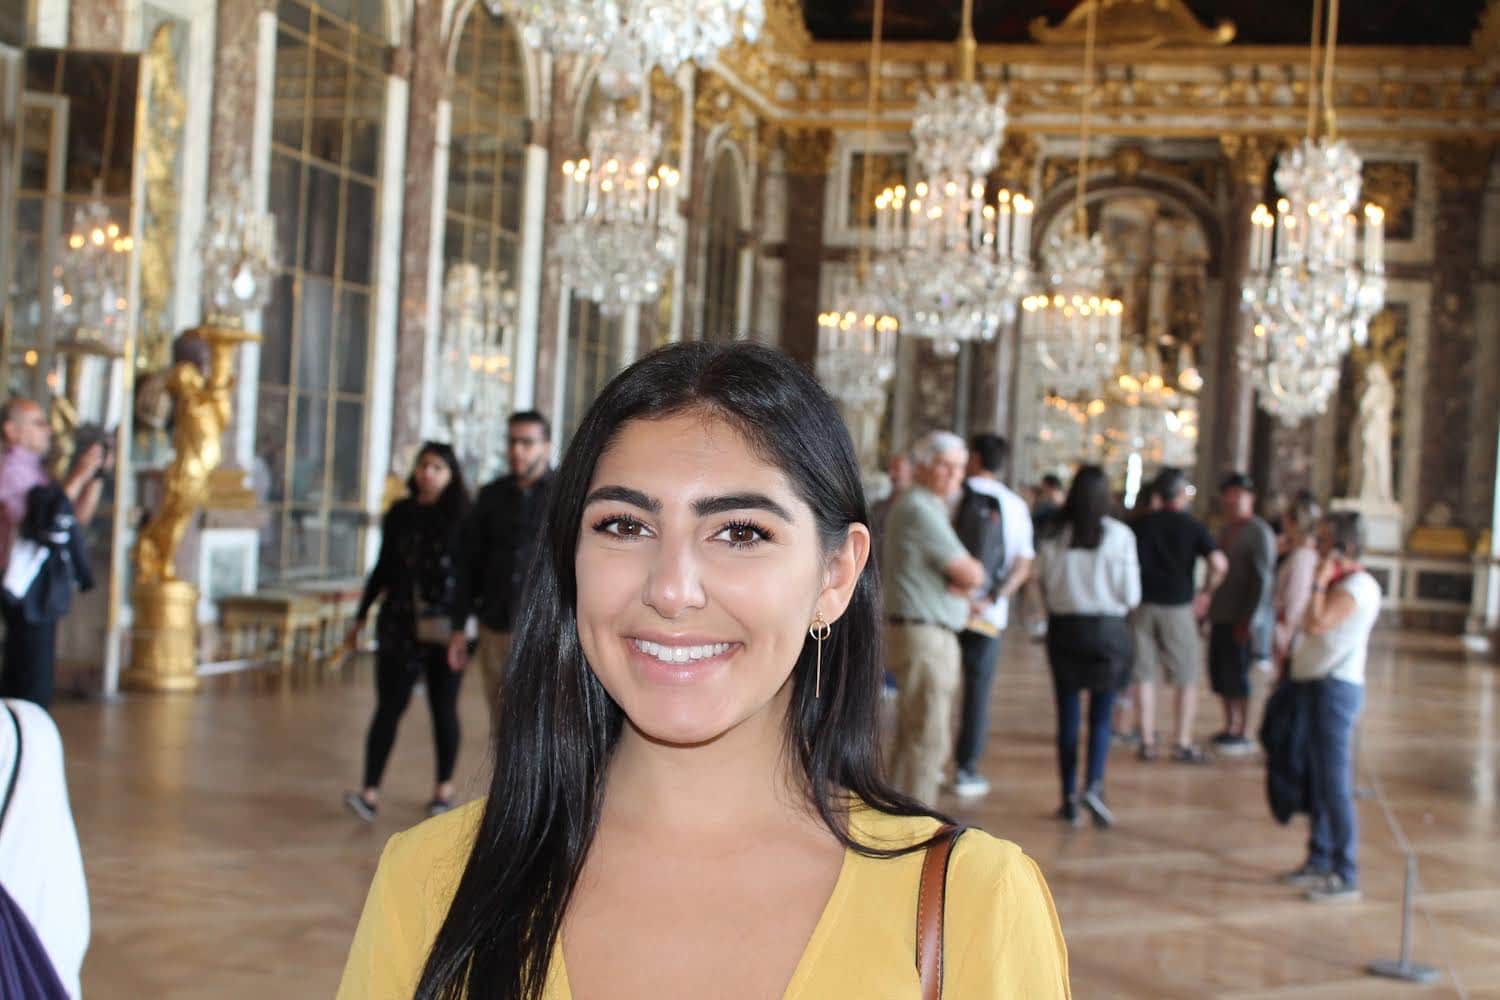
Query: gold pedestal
[(164, 640)]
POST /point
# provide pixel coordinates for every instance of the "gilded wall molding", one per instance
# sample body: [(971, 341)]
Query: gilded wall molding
[(1128, 162), (809, 151), (1250, 157), (716, 103), (1191, 91)]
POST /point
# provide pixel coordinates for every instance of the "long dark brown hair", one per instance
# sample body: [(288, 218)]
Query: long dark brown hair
[(558, 726), (1083, 512)]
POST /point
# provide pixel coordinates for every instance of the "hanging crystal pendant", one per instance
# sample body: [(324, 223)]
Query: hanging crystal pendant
[(239, 257)]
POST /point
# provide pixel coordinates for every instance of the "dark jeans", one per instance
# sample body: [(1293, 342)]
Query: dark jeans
[(397, 669), (1069, 710), (29, 653), (980, 654), (1334, 841)]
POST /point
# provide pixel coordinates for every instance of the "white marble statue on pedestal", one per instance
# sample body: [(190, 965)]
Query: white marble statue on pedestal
[(1372, 479), (1370, 447)]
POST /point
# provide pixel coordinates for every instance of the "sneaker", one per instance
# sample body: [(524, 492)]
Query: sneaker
[(358, 806), (1124, 739), (1236, 746), (1187, 754), (1069, 813), (968, 785), (1093, 801), (1334, 888), (1221, 739), (438, 806), (1305, 877)]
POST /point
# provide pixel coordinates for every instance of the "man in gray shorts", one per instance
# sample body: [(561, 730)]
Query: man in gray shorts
[(1169, 542)]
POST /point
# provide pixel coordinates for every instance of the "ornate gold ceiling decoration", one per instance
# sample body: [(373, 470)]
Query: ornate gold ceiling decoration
[(1128, 162), (1162, 76), (715, 103), (1135, 23)]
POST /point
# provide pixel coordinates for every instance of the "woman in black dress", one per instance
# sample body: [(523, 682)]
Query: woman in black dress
[(413, 579)]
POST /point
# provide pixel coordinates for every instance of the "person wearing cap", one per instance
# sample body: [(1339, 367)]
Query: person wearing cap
[(1240, 613), (1169, 543)]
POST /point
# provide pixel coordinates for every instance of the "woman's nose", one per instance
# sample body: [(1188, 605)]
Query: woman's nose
[(674, 583)]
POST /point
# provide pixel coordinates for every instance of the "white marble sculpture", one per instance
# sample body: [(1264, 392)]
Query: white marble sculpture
[(1371, 445)]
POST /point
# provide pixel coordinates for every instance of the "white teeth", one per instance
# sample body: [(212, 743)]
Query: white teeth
[(680, 654)]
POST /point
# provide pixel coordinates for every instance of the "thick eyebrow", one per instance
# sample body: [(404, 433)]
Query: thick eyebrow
[(624, 494), (706, 507), (740, 501)]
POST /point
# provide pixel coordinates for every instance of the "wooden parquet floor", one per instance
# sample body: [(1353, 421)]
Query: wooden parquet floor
[(221, 863)]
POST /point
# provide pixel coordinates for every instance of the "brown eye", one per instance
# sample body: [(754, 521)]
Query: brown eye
[(743, 535)]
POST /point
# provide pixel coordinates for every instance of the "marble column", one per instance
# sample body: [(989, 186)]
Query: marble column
[(553, 132), (1231, 424), (1462, 167), (425, 66), (236, 75), (808, 154), (992, 378)]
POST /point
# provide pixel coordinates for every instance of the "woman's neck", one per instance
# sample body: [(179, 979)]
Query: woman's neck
[(741, 780)]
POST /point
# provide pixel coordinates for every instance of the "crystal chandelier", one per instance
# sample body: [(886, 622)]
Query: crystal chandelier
[(1316, 280), (856, 346), (621, 225), (473, 368), (1076, 330), (90, 281), (239, 257), (953, 264), (667, 33), (1076, 327)]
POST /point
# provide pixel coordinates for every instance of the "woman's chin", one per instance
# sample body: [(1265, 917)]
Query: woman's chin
[(681, 726)]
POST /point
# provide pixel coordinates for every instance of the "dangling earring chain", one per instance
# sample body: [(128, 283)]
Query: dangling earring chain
[(820, 630)]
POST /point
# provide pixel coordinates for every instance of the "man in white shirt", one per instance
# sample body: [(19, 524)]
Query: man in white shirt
[(994, 524)]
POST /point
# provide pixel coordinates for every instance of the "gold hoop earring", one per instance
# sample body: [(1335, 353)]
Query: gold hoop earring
[(820, 630)]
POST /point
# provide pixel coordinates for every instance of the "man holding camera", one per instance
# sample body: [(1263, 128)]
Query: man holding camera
[(30, 645)]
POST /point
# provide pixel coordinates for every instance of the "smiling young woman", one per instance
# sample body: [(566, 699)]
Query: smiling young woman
[(686, 799)]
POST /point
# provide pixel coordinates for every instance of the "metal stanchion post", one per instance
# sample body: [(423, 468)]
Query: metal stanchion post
[(1404, 968)]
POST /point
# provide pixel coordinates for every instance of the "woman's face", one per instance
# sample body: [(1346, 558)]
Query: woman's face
[(432, 475), (699, 573)]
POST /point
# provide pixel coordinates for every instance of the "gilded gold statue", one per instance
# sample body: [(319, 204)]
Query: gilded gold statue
[(200, 386)]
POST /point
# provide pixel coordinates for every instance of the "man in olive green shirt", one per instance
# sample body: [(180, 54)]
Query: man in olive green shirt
[(928, 575)]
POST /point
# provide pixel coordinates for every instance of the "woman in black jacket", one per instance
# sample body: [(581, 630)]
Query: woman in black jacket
[(413, 579)]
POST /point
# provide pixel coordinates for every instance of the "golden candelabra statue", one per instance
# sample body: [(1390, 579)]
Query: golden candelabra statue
[(201, 384), (239, 266)]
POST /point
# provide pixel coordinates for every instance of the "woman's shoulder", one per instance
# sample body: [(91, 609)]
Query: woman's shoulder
[(979, 858), (1117, 533), (422, 866)]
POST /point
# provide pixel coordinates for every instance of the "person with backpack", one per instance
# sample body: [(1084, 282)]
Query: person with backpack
[(41, 548), (995, 525)]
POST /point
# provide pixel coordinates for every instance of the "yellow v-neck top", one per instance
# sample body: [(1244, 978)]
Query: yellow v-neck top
[(1001, 933)]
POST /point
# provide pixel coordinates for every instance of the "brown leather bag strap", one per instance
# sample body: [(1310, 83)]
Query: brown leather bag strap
[(931, 892)]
